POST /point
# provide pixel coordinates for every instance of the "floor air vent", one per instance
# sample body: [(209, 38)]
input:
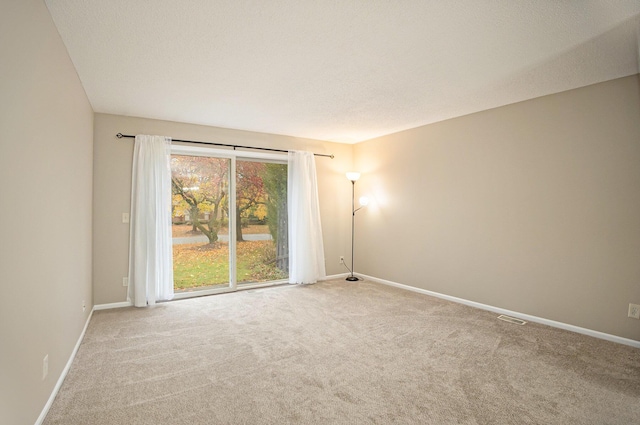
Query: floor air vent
[(511, 320)]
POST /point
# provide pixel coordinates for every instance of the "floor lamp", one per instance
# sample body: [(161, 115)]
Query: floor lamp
[(353, 176)]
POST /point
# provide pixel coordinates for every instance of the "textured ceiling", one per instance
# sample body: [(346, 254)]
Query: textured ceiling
[(343, 71)]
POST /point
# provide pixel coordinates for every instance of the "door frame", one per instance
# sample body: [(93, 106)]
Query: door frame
[(232, 155)]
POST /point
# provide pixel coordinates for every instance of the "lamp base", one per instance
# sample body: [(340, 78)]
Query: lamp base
[(352, 278)]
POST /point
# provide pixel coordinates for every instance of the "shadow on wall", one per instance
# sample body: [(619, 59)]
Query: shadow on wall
[(587, 63)]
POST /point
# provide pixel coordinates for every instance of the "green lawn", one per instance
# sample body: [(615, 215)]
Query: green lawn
[(198, 265)]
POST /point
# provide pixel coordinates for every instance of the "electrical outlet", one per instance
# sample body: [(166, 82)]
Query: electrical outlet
[(342, 259), (125, 281), (634, 311), (45, 367), (125, 217)]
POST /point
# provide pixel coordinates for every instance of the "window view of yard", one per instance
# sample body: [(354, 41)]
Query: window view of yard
[(200, 214)]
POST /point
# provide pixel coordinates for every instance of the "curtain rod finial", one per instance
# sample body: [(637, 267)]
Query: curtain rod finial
[(119, 135)]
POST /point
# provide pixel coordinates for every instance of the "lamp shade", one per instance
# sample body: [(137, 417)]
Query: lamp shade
[(353, 176), (364, 201)]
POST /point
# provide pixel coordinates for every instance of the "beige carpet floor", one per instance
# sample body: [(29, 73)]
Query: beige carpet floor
[(340, 353)]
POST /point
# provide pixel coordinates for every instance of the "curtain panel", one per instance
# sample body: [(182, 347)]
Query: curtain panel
[(150, 250), (306, 248)]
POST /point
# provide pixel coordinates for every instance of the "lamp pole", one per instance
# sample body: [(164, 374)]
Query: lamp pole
[(353, 176), (352, 278)]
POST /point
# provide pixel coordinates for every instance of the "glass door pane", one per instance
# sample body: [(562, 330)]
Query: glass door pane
[(262, 249), (200, 222)]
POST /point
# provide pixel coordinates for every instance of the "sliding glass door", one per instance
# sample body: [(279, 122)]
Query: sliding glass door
[(262, 249), (229, 221), (200, 222)]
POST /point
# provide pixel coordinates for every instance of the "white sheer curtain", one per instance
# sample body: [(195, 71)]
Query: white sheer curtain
[(306, 250), (150, 252)]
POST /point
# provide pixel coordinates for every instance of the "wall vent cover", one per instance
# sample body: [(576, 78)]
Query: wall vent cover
[(511, 320)]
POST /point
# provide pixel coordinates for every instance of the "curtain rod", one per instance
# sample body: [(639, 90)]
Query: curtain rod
[(120, 136)]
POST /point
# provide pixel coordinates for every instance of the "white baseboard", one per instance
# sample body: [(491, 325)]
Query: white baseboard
[(63, 375), (543, 321), (112, 305)]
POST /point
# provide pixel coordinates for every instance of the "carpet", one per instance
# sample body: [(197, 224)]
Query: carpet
[(340, 352)]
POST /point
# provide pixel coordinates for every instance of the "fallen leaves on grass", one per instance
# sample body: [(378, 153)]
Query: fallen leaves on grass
[(196, 265)]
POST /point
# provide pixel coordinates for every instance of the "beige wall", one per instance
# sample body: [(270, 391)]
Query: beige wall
[(45, 218), (112, 189), (533, 207)]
